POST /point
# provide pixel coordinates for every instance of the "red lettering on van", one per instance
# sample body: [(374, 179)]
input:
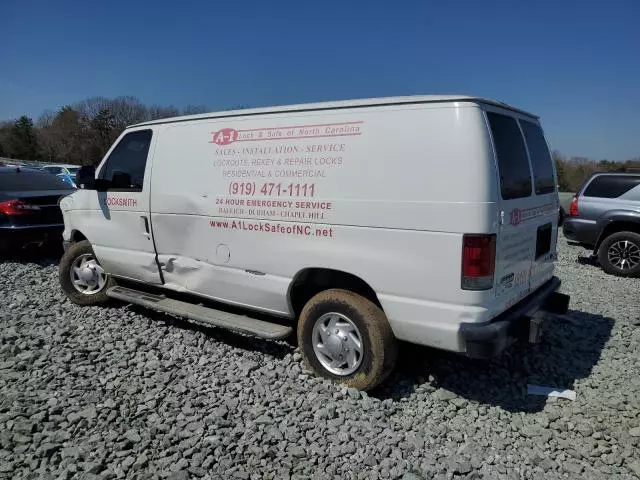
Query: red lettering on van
[(224, 136), (516, 216), (121, 202)]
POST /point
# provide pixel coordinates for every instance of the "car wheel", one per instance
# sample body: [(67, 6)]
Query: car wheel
[(560, 217), (81, 277), (619, 254), (347, 338)]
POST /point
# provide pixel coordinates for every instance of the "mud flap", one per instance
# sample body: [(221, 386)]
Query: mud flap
[(557, 303), (535, 327)]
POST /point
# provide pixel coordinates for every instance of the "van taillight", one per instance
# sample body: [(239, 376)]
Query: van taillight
[(573, 208), (478, 261)]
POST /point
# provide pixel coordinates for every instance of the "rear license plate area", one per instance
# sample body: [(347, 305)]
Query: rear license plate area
[(543, 240)]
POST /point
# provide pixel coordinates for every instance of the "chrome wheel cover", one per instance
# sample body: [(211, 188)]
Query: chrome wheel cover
[(337, 344), (87, 276)]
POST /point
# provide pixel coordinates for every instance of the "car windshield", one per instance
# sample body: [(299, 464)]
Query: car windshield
[(22, 181), (73, 170)]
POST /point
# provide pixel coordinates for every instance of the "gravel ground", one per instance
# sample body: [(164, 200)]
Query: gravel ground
[(126, 393)]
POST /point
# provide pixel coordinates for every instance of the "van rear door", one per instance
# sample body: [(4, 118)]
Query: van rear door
[(547, 203), (527, 235)]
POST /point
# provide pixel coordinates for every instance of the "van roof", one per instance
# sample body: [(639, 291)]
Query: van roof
[(366, 102)]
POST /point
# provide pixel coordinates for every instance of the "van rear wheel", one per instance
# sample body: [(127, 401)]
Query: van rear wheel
[(347, 338), (81, 277)]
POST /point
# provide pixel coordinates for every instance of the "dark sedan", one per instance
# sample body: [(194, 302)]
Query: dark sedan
[(29, 211)]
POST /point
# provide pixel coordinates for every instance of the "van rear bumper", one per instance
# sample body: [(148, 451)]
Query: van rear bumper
[(488, 339)]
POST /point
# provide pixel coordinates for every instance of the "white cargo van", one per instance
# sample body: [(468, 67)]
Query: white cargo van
[(429, 219)]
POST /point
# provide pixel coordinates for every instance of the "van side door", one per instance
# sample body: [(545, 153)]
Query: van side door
[(119, 227)]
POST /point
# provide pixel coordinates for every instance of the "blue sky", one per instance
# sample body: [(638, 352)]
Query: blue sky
[(575, 63)]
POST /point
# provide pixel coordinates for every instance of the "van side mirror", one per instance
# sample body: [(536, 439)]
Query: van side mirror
[(86, 177), (101, 185), (121, 180)]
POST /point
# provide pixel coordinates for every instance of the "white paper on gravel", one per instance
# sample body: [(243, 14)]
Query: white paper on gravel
[(551, 392)]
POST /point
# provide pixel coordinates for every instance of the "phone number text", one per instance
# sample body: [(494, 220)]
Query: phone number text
[(273, 189)]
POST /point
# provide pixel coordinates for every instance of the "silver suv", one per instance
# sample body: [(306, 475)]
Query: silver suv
[(605, 216)]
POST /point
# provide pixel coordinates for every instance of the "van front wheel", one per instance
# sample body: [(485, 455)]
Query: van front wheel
[(81, 277), (346, 338)]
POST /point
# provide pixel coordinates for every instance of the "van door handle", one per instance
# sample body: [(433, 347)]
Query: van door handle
[(145, 226)]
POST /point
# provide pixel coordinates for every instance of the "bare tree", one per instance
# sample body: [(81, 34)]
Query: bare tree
[(46, 119), (89, 108), (127, 111), (49, 146), (82, 133), (194, 109), (103, 132), (156, 112)]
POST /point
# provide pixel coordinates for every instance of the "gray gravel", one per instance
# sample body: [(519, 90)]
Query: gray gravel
[(124, 393)]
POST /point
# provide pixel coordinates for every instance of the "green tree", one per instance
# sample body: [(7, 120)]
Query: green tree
[(103, 131), (560, 162), (5, 134), (23, 140), (67, 131)]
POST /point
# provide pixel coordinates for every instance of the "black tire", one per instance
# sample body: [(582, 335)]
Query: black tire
[(74, 251), (607, 260), (560, 217), (378, 343)]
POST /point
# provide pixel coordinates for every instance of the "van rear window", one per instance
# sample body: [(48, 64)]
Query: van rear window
[(513, 164), (541, 161)]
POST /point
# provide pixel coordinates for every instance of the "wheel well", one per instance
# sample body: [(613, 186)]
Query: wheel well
[(615, 227), (77, 236), (312, 281)]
